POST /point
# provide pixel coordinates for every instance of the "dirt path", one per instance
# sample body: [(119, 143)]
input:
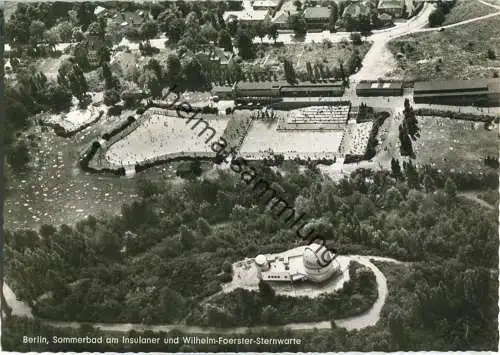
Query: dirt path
[(473, 197), (490, 4), (458, 23)]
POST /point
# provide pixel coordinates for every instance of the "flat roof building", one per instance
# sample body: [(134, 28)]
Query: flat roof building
[(223, 92), (267, 89), (479, 92), (379, 88)]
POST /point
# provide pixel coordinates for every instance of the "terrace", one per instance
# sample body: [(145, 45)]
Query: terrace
[(316, 118)]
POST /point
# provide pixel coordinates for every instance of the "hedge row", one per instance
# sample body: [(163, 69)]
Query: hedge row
[(108, 135), (372, 139), (456, 115), (151, 164), (89, 155)]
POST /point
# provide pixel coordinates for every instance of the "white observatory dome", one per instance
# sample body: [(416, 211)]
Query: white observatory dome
[(316, 256), (260, 260)]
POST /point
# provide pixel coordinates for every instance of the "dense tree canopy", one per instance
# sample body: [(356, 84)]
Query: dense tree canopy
[(159, 241)]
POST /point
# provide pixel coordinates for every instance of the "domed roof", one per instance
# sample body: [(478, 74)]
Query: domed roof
[(260, 260), (316, 256)]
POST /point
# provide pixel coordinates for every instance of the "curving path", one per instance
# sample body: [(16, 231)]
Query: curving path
[(379, 61), (473, 197), (367, 319), (475, 19)]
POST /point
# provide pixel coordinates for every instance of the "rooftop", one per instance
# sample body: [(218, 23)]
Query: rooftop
[(446, 85), (356, 10), (317, 13), (98, 10), (391, 4), (245, 15), (385, 17), (265, 3), (222, 89), (253, 85), (380, 85), (283, 15), (304, 85)]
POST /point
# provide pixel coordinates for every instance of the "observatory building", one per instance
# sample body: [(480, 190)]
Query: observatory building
[(312, 262)]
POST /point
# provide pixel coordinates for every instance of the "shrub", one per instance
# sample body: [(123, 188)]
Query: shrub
[(111, 97), (115, 110), (491, 54), (454, 115), (356, 38), (436, 18)]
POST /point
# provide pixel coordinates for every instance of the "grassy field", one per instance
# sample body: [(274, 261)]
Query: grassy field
[(467, 9), (456, 53), (453, 144), (326, 53)]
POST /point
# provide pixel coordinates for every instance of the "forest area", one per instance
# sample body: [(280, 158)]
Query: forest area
[(173, 247), (243, 307)]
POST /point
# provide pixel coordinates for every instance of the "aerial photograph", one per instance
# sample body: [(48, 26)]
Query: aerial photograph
[(255, 176)]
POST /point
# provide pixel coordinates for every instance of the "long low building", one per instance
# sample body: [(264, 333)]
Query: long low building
[(480, 92), (270, 89), (377, 88)]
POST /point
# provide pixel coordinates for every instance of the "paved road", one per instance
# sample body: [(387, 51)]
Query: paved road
[(367, 319), (415, 22)]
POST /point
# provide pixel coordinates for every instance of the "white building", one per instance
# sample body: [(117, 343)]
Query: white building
[(246, 16), (312, 262), (265, 4)]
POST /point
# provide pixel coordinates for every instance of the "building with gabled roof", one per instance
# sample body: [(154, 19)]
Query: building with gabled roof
[(395, 8), (356, 9), (317, 17), (245, 16), (281, 18)]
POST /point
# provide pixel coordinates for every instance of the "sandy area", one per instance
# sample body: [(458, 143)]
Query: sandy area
[(161, 136), (76, 117), (263, 138)]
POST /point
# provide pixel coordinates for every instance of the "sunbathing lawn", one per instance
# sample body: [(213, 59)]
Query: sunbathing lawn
[(467, 9), (460, 147), (456, 53), (301, 53)]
